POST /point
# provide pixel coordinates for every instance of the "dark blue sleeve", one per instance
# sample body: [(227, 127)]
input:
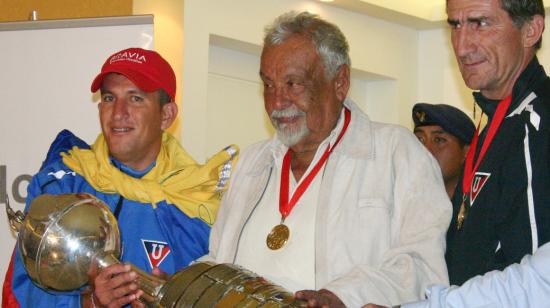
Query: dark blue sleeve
[(64, 141)]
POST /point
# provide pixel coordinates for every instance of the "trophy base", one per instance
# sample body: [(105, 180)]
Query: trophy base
[(206, 284)]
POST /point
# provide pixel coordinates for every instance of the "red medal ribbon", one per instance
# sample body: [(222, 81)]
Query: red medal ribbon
[(469, 169), (285, 207)]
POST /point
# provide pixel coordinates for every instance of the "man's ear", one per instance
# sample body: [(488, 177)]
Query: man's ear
[(342, 82), (168, 115), (532, 31)]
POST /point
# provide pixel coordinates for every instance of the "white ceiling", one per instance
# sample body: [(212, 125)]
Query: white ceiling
[(429, 10)]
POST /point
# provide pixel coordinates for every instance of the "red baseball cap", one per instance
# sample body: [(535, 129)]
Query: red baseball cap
[(145, 68)]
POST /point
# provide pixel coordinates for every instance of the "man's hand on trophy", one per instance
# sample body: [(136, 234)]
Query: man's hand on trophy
[(114, 286), (322, 298), (157, 272)]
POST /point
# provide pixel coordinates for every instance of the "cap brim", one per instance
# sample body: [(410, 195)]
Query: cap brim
[(142, 81)]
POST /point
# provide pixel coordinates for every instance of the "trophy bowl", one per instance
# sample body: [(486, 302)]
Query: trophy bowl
[(61, 235)]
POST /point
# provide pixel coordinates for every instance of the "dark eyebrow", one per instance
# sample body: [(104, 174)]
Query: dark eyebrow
[(476, 19), (452, 22)]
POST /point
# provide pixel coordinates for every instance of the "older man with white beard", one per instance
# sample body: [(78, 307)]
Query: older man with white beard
[(343, 210)]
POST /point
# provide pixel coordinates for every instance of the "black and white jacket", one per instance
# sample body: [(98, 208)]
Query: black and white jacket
[(509, 215)]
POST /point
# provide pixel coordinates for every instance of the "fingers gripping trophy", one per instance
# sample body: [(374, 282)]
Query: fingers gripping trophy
[(63, 237)]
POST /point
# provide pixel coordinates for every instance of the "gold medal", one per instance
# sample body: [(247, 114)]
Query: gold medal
[(280, 234), (278, 237)]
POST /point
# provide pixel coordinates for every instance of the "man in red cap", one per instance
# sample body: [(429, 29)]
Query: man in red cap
[(144, 176)]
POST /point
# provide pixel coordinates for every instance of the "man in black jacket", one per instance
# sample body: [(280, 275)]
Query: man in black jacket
[(501, 207)]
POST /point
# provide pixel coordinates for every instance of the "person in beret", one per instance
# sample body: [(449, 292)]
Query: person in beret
[(446, 132)]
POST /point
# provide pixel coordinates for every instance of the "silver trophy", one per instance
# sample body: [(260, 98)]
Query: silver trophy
[(62, 236)]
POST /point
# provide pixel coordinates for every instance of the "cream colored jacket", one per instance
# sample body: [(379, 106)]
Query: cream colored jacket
[(381, 219)]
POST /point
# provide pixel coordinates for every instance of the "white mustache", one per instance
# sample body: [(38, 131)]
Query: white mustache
[(286, 113)]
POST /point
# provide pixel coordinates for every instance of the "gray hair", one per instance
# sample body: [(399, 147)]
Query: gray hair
[(330, 42), (522, 11)]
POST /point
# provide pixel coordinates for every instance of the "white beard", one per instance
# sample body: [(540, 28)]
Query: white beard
[(290, 134)]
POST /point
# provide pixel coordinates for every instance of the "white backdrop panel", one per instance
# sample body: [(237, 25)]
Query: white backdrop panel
[(46, 69)]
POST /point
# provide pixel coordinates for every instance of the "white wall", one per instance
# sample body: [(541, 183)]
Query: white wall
[(220, 106), (168, 34)]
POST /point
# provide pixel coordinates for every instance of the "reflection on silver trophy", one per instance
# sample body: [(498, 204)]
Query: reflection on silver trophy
[(61, 236)]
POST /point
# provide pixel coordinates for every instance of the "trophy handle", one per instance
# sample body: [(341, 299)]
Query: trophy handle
[(15, 218), (149, 284)]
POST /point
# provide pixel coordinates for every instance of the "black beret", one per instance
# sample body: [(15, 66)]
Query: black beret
[(451, 119)]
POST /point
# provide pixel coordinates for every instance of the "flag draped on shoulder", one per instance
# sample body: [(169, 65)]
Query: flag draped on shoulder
[(176, 178)]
